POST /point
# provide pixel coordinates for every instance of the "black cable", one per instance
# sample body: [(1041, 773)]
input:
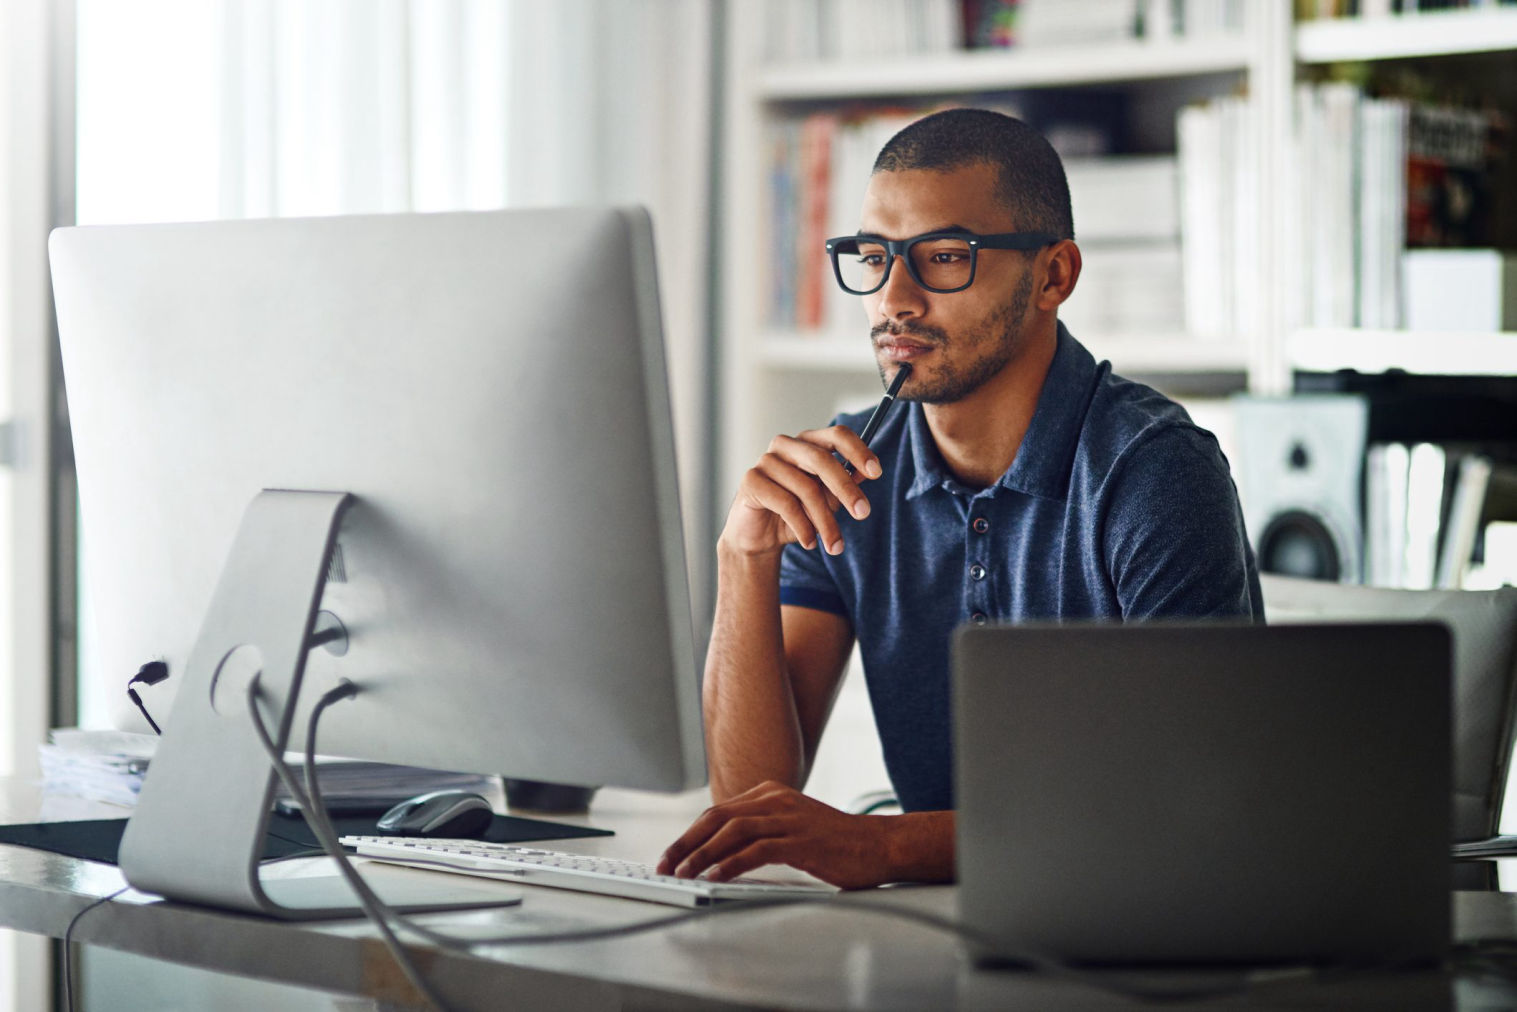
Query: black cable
[(68, 932), (373, 907), (131, 694), (150, 673), (68, 939)]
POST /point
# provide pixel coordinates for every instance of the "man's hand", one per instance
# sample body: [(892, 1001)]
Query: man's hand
[(793, 491), (775, 824)]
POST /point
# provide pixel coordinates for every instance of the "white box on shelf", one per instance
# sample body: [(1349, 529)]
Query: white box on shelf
[(1472, 290)]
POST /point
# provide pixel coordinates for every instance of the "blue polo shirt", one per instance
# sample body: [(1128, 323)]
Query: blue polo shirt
[(1117, 507)]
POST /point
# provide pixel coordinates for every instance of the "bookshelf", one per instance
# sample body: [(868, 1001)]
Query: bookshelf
[(973, 71), (777, 378), (1430, 38), (1430, 353)]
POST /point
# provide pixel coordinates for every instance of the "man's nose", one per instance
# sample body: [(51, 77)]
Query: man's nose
[(901, 296)]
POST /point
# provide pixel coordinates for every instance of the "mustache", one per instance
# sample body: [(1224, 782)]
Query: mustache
[(912, 329)]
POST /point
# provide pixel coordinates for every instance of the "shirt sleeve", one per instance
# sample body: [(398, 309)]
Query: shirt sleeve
[(1174, 536), (806, 582)]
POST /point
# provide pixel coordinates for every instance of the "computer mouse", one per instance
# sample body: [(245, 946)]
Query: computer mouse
[(455, 814)]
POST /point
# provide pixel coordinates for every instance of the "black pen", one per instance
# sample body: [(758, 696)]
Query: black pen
[(878, 418)]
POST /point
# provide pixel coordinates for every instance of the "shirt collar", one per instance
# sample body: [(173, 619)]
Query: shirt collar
[(1043, 461)]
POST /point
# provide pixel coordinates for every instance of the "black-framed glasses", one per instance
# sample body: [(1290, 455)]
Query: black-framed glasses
[(941, 262)]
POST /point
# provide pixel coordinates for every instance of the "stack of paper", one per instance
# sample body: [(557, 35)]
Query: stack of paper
[(110, 766), (99, 765), (1127, 219)]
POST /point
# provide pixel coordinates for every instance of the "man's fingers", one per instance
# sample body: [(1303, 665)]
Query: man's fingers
[(736, 835), (755, 801), (762, 491), (847, 444), (769, 850), (699, 832), (786, 479), (816, 458)]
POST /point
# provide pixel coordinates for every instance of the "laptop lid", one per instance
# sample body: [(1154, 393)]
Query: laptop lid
[(1204, 793)]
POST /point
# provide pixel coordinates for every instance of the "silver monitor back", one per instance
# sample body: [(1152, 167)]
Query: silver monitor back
[(492, 389)]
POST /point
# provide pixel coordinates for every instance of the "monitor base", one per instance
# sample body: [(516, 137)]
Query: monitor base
[(327, 896), (197, 832)]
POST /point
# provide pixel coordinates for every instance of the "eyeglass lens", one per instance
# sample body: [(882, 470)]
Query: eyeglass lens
[(945, 263)]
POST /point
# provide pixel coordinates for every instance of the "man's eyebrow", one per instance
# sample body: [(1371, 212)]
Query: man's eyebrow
[(960, 229)]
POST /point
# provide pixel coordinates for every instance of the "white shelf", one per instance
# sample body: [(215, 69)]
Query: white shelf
[(1131, 355), (1172, 355), (1430, 352), (1397, 36), (790, 350), (995, 69)]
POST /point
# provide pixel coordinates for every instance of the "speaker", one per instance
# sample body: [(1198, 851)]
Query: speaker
[(1301, 462)]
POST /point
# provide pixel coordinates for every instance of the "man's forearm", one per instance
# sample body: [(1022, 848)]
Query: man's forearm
[(753, 732)]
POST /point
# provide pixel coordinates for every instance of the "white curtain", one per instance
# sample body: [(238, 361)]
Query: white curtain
[(425, 105), (255, 108), (32, 61)]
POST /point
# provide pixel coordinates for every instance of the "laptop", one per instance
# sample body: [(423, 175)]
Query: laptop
[(1204, 793)]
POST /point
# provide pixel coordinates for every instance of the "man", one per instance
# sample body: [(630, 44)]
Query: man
[(1020, 481)]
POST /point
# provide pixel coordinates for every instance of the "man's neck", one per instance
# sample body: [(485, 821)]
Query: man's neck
[(979, 436)]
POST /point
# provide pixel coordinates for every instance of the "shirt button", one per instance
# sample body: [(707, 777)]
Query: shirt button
[(979, 618), (977, 572), (980, 525)]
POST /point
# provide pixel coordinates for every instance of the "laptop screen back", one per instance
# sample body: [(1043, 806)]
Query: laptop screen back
[(1204, 793)]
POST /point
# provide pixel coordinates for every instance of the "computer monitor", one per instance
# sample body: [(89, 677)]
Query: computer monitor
[(447, 436)]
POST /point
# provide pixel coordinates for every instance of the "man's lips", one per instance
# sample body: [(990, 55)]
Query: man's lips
[(901, 349)]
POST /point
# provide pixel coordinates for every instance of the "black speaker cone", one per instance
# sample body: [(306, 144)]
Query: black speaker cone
[(1296, 543)]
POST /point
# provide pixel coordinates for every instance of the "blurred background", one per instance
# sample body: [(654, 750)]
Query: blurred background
[(1299, 219)]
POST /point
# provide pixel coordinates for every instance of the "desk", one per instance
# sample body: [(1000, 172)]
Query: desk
[(801, 958)]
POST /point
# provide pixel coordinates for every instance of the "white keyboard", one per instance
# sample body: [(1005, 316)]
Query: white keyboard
[(628, 879)]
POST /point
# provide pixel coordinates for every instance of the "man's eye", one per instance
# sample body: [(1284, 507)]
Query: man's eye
[(871, 259), (949, 256)]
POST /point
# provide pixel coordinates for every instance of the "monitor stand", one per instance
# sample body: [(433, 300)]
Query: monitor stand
[(197, 831)]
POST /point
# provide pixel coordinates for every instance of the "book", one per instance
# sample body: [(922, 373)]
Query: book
[(1219, 222), (813, 270), (1385, 487), (1450, 182), (1381, 211), (1463, 525), (1202, 211), (1375, 176), (1424, 510)]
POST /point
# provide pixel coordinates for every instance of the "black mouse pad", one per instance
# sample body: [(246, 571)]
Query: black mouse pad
[(100, 839)]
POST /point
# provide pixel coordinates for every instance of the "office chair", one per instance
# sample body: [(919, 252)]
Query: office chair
[(1484, 628)]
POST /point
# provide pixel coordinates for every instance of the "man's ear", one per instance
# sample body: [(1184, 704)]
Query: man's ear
[(1061, 270)]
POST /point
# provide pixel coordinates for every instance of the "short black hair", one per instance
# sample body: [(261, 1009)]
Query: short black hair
[(1031, 183)]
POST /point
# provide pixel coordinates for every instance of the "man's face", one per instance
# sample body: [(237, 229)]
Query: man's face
[(958, 341)]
